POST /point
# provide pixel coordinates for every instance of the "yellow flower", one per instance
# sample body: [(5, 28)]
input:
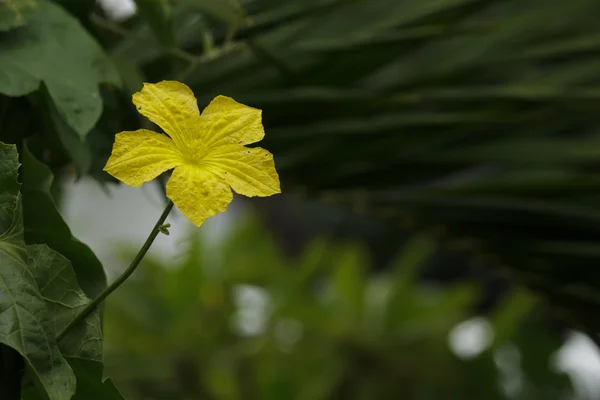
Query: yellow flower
[(207, 150)]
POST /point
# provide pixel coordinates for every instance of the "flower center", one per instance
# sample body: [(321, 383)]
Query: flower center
[(194, 153)]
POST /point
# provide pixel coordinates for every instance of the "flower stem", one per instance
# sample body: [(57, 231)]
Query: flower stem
[(119, 281)]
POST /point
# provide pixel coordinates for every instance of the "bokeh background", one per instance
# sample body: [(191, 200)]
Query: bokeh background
[(438, 227), (223, 313)]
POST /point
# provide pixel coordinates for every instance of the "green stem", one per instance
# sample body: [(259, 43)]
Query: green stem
[(119, 281)]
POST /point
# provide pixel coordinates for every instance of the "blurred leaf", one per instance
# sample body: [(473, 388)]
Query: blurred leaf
[(185, 285), (44, 224), (74, 65), (403, 281), (14, 13), (228, 11), (26, 325), (293, 332), (472, 116), (512, 312), (158, 13), (348, 281), (413, 255), (130, 73)]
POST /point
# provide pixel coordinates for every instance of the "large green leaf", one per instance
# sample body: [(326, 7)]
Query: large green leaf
[(14, 13), (40, 295), (25, 323), (82, 347), (64, 300), (44, 224), (90, 382), (55, 49)]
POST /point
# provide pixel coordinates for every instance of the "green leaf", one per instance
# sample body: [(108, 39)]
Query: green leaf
[(158, 13), (73, 65), (348, 279), (510, 315), (14, 13), (44, 224), (64, 300), (25, 324), (53, 284), (59, 132), (130, 73), (90, 383), (403, 297)]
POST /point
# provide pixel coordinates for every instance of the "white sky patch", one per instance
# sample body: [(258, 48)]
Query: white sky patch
[(125, 216), (118, 10)]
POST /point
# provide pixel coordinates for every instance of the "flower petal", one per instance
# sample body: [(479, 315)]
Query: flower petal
[(140, 156), (172, 106), (198, 193), (250, 172), (227, 122)]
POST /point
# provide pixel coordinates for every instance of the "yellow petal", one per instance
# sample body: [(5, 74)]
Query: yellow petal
[(198, 193), (140, 156), (250, 172), (225, 121), (172, 106)]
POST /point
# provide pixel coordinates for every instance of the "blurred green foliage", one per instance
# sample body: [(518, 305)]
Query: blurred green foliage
[(473, 120), (238, 320)]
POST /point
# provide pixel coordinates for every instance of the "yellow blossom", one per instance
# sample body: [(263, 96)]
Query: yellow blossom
[(206, 150)]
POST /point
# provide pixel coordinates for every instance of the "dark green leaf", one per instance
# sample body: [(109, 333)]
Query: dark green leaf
[(510, 315), (44, 224), (158, 13), (25, 323), (64, 300), (348, 278), (90, 383), (73, 65), (72, 144)]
